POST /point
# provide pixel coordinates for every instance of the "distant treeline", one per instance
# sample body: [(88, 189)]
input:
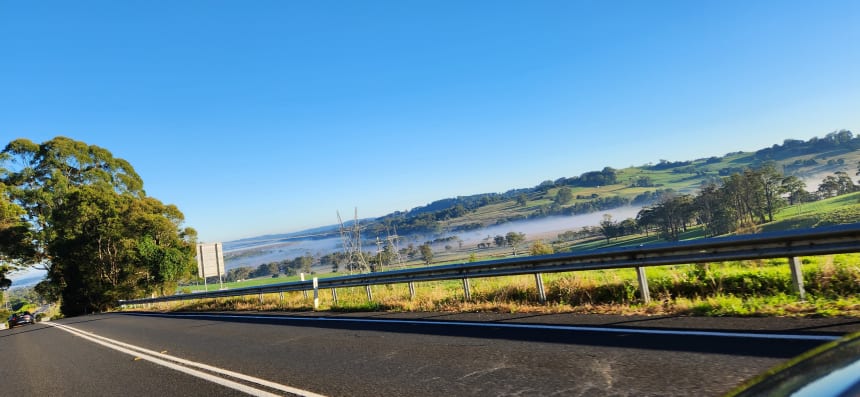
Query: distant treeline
[(429, 219), (740, 203), (842, 140)]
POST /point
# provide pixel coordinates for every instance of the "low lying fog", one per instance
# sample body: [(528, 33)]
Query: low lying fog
[(546, 228), (276, 250)]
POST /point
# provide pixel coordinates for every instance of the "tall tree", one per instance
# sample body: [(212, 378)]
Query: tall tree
[(745, 199), (522, 199), (540, 248), (608, 227), (795, 188), (671, 215), (306, 261), (426, 252), (628, 226), (563, 196), (111, 246), (858, 169), (712, 210), (16, 239), (836, 185), (39, 176), (744, 192), (94, 229), (846, 185), (514, 239), (773, 187)]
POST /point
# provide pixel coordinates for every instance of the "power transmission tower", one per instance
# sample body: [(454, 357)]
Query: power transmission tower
[(352, 245), (387, 252), (396, 260)]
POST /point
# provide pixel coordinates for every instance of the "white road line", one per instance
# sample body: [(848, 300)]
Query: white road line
[(645, 331), (165, 360)]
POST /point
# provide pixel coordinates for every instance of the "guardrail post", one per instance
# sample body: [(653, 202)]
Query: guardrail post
[(411, 291), (334, 295), (316, 294), (797, 277), (304, 292), (369, 293), (261, 300), (467, 293), (541, 292), (643, 284), (281, 294)]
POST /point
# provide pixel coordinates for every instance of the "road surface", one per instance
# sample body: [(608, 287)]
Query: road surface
[(415, 354)]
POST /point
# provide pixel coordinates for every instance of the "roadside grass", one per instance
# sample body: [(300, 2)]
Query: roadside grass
[(748, 288)]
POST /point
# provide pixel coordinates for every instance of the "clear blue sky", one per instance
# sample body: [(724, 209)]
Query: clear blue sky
[(258, 117)]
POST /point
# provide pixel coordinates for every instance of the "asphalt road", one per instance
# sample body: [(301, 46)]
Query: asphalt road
[(424, 354)]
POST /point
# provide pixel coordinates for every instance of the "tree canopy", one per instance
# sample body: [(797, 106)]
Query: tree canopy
[(89, 224), (426, 253), (514, 239)]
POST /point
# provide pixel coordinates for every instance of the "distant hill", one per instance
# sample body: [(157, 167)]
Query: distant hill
[(611, 188), (593, 191)]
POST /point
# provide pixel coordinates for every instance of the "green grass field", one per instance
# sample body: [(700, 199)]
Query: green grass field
[(833, 211)]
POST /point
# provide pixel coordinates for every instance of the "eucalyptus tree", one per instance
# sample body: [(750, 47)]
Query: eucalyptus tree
[(773, 186), (16, 242), (608, 227), (540, 248), (522, 200), (745, 193), (670, 216), (836, 185), (846, 185), (713, 212), (94, 229), (564, 195), (109, 246), (38, 177), (514, 239), (426, 252), (795, 188)]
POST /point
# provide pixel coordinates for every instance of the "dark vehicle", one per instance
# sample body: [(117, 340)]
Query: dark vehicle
[(830, 370), (21, 318)]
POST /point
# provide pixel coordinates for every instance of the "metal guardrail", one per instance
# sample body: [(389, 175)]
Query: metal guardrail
[(789, 244)]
